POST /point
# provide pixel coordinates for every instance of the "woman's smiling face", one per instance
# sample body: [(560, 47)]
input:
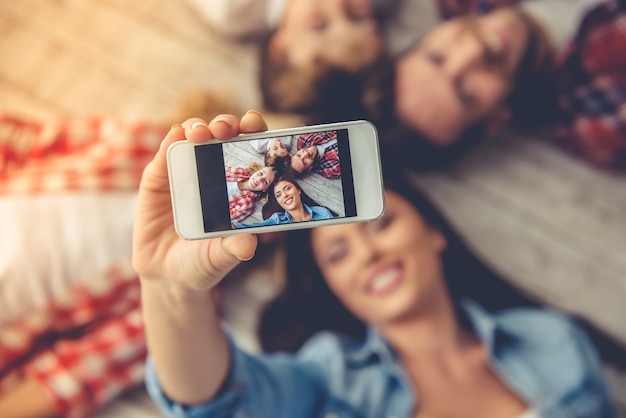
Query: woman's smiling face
[(287, 195), (385, 269)]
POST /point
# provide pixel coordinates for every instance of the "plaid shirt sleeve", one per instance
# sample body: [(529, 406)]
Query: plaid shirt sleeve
[(236, 173), (591, 83), (328, 164), (242, 205)]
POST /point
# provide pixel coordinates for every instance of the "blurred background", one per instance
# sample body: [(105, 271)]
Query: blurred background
[(558, 227)]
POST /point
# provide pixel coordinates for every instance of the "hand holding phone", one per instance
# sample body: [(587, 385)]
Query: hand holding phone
[(159, 254), (279, 180)]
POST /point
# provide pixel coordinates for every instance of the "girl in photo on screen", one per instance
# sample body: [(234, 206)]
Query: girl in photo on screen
[(245, 186)]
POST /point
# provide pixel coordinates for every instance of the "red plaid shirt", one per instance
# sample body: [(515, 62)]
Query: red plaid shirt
[(591, 80), (327, 164), (85, 153), (88, 346), (241, 204)]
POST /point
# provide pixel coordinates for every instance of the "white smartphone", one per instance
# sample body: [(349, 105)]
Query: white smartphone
[(276, 180)]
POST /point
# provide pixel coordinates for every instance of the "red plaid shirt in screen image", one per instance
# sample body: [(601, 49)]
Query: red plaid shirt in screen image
[(328, 163), (241, 205)]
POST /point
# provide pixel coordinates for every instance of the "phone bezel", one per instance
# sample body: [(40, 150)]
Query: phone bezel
[(366, 169)]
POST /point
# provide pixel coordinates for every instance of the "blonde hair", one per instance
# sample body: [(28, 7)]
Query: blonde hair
[(253, 167)]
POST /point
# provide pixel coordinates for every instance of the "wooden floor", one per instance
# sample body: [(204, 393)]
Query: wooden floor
[(552, 224)]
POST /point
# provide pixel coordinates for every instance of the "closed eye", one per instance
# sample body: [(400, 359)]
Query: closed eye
[(435, 57)]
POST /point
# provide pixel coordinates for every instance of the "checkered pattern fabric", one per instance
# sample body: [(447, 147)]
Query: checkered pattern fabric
[(88, 346), (89, 153), (84, 348), (328, 164), (591, 80), (241, 205)]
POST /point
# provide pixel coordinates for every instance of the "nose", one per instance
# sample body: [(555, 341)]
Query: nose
[(365, 248), (468, 54)]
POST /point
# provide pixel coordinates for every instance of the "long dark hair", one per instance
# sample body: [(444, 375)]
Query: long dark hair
[(306, 305)]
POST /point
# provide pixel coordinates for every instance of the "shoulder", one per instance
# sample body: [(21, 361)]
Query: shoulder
[(321, 211), (544, 327), (546, 333), (555, 354)]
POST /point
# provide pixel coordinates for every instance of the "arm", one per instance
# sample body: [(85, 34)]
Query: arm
[(184, 338)]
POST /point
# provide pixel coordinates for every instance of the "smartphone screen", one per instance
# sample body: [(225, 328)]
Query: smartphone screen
[(240, 188)]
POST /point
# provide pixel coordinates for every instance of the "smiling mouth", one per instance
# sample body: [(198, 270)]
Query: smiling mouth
[(287, 201), (385, 280)]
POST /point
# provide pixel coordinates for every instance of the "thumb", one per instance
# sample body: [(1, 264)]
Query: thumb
[(242, 247)]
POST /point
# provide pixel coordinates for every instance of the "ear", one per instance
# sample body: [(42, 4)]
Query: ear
[(439, 240), (498, 121)]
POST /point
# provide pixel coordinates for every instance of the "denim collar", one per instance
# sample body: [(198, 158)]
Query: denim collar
[(376, 349)]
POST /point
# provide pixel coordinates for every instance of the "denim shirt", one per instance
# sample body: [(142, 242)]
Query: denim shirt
[(540, 355), (317, 213)]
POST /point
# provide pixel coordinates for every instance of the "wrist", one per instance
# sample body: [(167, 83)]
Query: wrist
[(176, 298)]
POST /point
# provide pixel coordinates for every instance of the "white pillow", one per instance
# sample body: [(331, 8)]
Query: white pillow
[(49, 242)]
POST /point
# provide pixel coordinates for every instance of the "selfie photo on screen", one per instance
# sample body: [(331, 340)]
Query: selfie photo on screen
[(276, 180)]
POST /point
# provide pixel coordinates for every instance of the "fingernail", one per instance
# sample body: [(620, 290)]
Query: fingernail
[(224, 119), (176, 125), (196, 124), (245, 259), (253, 112)]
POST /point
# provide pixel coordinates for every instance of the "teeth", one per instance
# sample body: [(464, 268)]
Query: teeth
[(382, 280)]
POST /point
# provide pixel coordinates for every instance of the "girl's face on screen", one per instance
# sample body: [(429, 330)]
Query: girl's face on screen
[(261, 180)]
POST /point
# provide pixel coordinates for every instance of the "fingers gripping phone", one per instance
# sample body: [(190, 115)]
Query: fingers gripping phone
[(277, 180)]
